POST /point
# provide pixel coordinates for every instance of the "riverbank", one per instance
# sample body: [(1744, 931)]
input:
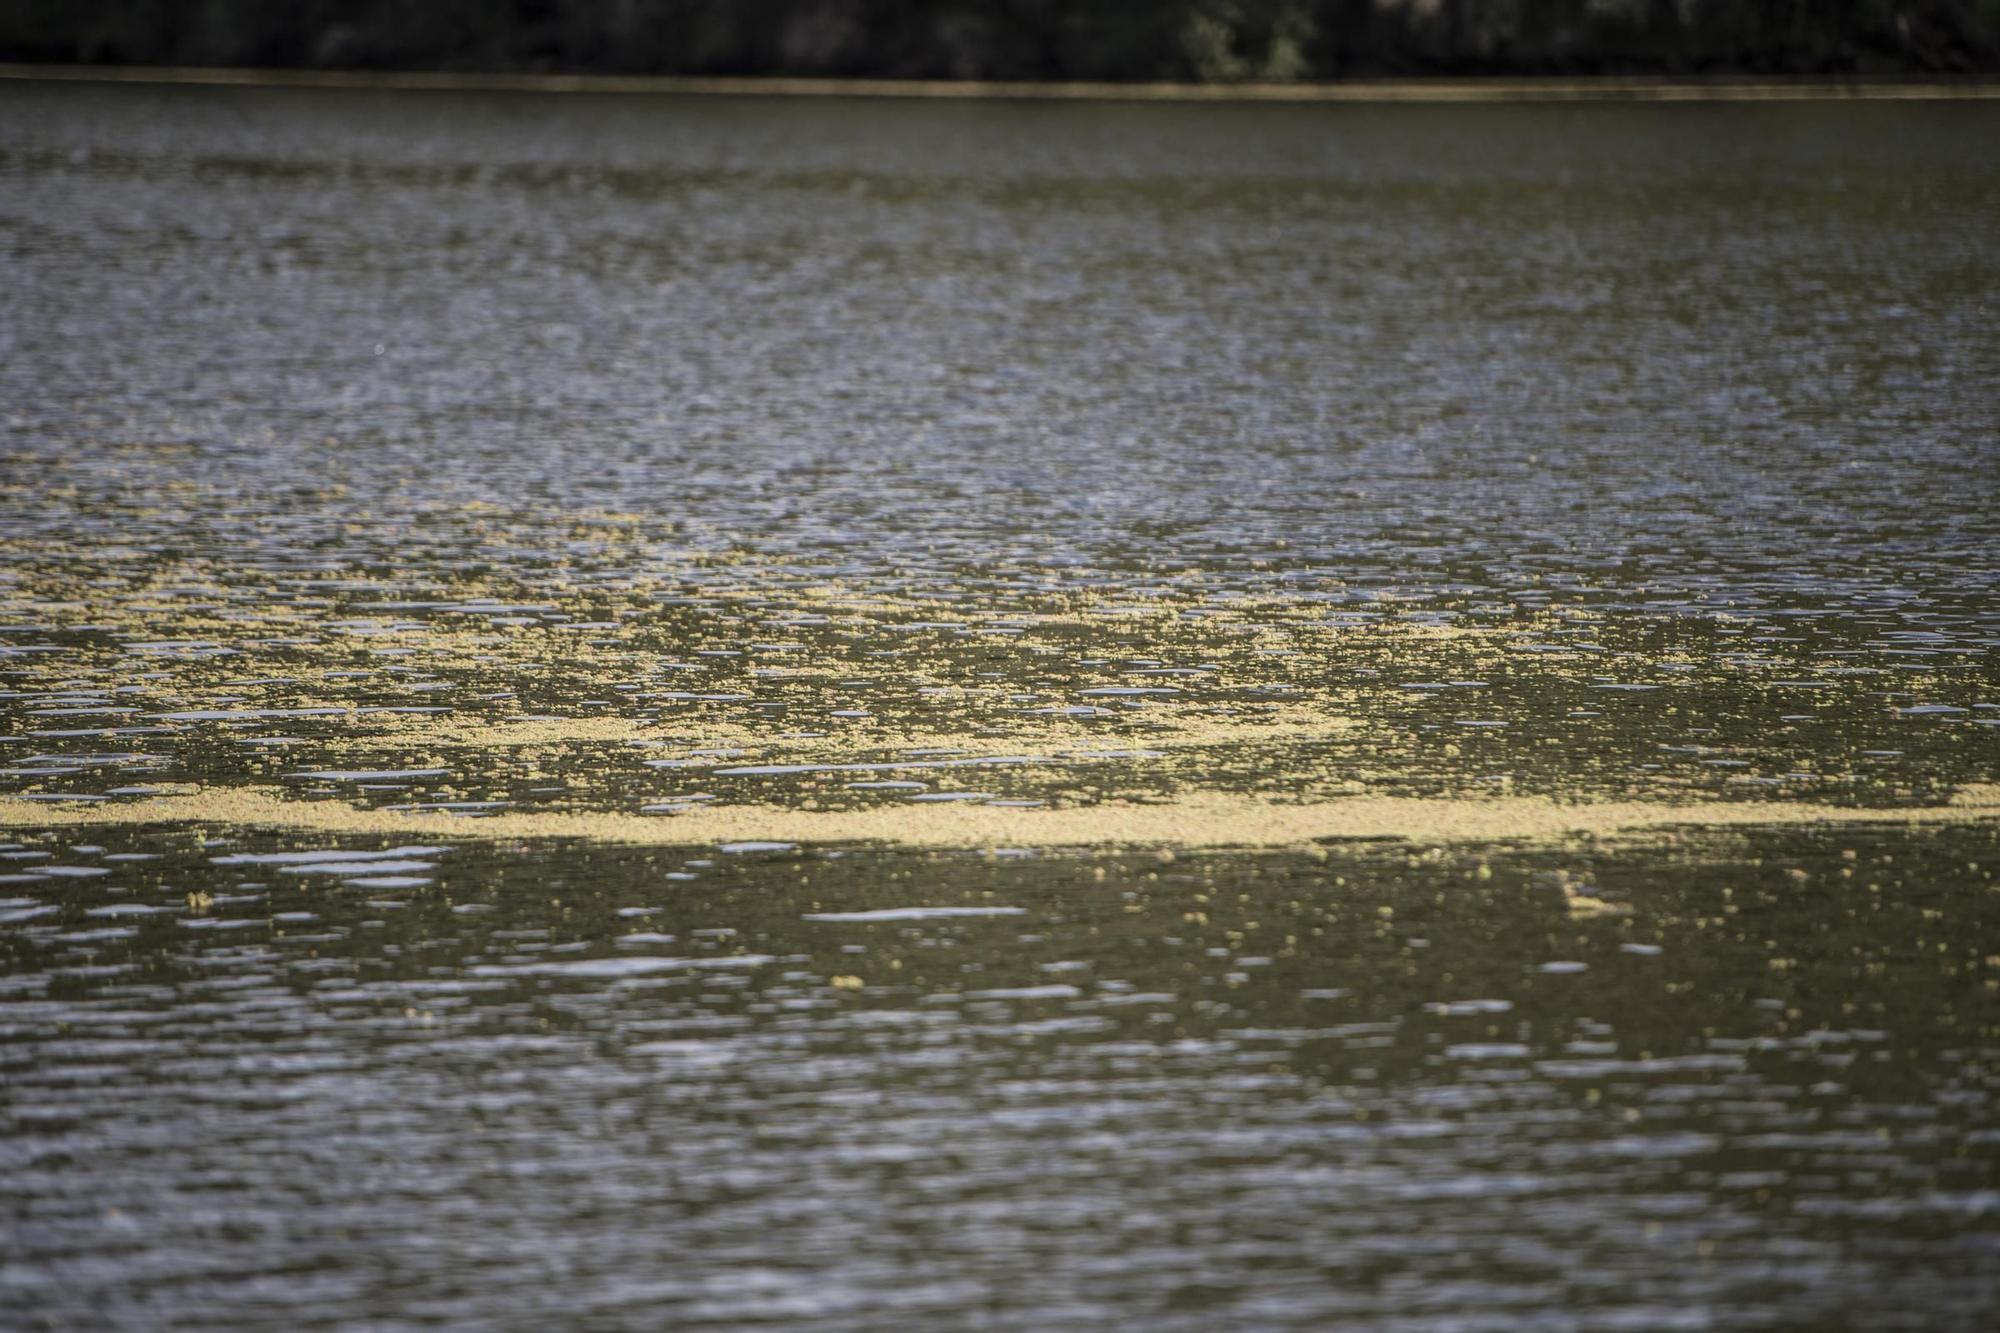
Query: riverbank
[(1444, 91)]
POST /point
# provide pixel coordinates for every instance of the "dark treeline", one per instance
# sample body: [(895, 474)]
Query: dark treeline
[(1207, 40)]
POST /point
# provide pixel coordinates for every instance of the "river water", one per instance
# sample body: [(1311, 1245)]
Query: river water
[(681, 713)]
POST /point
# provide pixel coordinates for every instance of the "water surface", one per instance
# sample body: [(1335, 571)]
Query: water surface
[(460, 458)]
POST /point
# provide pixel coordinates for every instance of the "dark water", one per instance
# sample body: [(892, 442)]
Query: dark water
[(1299, 452), (618, 1089)]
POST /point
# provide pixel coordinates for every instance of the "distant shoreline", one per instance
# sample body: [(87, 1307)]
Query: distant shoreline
[(1360, 91)]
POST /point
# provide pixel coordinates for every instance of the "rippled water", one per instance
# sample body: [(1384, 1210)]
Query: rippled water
[(658, 462), (1415, 1090)]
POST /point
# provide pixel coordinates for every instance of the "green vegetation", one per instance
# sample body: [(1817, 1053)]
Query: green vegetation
[(1207, 40)]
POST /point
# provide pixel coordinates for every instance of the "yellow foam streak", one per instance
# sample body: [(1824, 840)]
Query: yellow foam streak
[(1197, 820)]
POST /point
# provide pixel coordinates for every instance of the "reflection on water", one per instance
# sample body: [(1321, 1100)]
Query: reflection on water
[(417, 467)]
